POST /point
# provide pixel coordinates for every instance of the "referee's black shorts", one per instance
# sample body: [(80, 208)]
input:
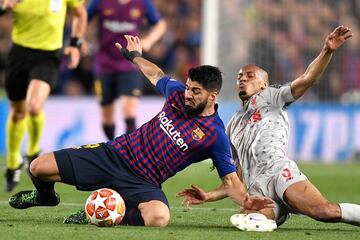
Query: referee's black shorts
[(24, 64), (95, 166)]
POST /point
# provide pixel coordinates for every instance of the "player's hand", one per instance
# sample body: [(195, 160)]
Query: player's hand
[(257, 203), (337, 37), (73, 54), (192, 196), (133, 44)]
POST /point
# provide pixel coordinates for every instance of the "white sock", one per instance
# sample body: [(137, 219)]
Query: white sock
[(350, 213)]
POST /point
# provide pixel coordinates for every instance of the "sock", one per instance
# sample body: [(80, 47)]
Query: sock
[(109, 131), (35, 128), (45, 189), (350, 213), (15, 132), (130, 125), (133, 217)]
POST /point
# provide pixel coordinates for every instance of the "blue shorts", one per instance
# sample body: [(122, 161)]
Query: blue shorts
[(109, 87), (95, 166)]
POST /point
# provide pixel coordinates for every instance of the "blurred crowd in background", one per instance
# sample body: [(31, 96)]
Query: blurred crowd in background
[(282, 36), (177, 51)]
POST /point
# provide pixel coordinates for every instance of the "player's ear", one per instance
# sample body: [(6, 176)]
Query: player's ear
[(213, 96), (264, 85)]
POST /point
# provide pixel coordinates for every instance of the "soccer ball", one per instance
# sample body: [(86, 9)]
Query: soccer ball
[(105, 208)]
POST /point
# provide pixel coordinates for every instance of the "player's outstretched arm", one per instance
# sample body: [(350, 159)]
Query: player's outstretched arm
[(196, 195), (314, 71), (133, 52), (232, 187)]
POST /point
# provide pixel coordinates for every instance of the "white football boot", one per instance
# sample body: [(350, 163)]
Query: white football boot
[(253, 222)]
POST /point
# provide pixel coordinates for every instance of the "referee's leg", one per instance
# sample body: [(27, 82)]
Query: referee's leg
[(37, 93)]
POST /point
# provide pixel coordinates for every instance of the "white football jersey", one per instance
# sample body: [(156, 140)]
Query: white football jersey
[(259, 133)]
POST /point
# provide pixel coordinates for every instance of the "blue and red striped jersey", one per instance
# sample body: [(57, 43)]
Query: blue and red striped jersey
[(116, 19), (174, 139)]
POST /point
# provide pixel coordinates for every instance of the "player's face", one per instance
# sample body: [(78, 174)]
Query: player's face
[(249, 82), (196, 97)]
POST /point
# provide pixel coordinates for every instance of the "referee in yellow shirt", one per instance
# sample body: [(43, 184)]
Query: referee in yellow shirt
[(32, 69)]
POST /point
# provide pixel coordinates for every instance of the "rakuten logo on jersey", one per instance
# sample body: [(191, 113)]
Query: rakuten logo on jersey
[(170, 130)]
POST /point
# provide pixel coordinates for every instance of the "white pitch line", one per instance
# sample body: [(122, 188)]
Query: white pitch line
[(181, 208)]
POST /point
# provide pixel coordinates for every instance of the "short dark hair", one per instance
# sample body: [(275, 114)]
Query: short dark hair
[(209, 77)]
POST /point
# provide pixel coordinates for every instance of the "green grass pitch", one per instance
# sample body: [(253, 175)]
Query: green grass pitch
[(339, 182)]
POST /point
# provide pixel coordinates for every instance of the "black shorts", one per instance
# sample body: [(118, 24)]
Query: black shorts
[(108, 87), (24, 64), (95, 166)]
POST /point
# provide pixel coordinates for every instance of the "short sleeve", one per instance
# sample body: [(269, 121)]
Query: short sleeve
[(221, 156), (75, 3), (279, 96), (152, 14), (92, 8), (167, 85)]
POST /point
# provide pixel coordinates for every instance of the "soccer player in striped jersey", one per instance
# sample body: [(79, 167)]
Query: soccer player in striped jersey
[(117, 78), (259, 138), (187, 130)]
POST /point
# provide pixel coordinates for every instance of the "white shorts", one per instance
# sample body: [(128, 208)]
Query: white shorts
[(274, 184)]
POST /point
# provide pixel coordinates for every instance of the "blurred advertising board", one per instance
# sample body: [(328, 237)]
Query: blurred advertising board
[(319, 132)]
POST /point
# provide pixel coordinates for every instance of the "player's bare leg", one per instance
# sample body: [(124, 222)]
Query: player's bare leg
[(306, 199), (45, 168), (38, 92), (129, 106), (155, 213), (44, 173), (108, 120)]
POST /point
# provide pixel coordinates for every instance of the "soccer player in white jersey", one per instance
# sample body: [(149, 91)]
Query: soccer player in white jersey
[(259, 137)]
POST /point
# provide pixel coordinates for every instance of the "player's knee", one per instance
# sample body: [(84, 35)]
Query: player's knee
[(155, 214), (34, 109), (37, 169), (34, 106), (161, 219), (34, 168), (17, 115)]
